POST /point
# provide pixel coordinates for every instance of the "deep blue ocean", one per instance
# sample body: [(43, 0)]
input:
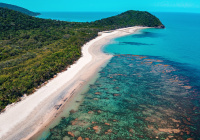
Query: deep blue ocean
[(150, 89), (76, 16)]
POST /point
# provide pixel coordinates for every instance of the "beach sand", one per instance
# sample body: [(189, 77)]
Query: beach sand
[(24, 119)]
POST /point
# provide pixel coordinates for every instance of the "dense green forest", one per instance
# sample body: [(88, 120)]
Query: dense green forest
[(19, 9), (33, 50)]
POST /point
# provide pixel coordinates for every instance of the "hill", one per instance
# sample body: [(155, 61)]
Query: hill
[(33, 50), (131, 18), (19, 9)]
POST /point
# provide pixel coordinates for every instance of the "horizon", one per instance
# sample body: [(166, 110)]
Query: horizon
[(109, 12), (184, 6)]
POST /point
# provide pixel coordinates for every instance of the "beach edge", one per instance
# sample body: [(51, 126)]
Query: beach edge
[(36, 111)]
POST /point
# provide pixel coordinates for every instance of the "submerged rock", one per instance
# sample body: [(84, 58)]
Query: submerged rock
[(108, 131), (97, 129), (186, 122), (116, 94), (107, 124), (71, 134), (90, 112), (72, 111), (189, 119), (169, 130), (66, 138), (79, 138), (161, 27), (97, 93), (190, 139), (132, 131)]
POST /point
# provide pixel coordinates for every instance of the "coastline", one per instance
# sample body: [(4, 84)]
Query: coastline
[(37, 110)]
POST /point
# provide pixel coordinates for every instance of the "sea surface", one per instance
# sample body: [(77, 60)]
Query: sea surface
[(76, 16), (150, 89)]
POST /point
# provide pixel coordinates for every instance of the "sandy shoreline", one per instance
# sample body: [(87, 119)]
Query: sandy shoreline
[(27, 117)]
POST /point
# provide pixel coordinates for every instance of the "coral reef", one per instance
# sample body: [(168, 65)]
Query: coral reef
[(136, 97)]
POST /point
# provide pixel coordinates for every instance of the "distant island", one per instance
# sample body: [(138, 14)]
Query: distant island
[(19, 9), (33, 50)]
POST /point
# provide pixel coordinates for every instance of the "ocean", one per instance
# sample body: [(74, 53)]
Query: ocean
[(76, 16), (150, 89)]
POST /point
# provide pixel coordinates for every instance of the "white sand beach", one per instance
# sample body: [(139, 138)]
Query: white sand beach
[(25, 118)]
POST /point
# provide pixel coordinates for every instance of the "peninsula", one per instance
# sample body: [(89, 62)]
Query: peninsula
[(34, 50)]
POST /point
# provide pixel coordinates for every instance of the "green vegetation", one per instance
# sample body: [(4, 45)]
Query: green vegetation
[(19, 9), (33, 50), (130, 18)]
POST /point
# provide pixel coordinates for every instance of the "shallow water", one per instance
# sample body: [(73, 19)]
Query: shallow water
[(149, 90), (136, 97)]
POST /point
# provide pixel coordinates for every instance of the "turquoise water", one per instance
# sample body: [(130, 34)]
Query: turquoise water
[(179, 42), (136, 97), (150, 89)]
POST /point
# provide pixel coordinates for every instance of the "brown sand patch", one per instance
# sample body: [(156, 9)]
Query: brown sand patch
[(169, 130)]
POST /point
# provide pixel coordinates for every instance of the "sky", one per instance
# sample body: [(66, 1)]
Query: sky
[(108, 5)]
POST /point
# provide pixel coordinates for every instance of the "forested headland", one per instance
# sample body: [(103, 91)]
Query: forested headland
[(19, 9), (33, 50)]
